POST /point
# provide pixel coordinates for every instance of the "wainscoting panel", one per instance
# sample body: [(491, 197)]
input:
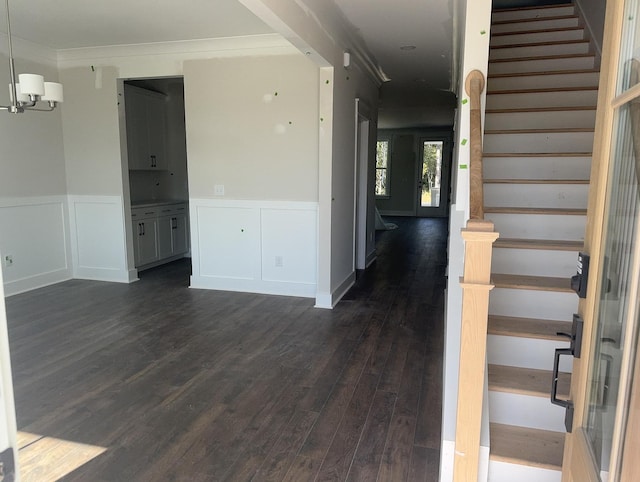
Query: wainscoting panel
[(34, 234), (98, 238), (254, 246)]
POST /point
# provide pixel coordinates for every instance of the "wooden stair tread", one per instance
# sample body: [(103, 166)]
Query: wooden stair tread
[(536, 154), (539, 109), (546, 244), (548, 211), (527, 327), (534, 7), (535, 19), (541, 44), (546, 72), (536, 181), (526, 446), (526, 381), (536, 283), (541, 57), (540, 30), (570, 130), (542, 91)]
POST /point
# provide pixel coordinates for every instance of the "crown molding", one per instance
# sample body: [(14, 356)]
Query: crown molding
[(26, 50), (244, 45)]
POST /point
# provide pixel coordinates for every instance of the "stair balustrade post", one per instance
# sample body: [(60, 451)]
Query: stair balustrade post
[(479, 236)]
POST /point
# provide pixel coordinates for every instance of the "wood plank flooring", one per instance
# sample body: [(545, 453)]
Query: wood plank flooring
[(195, 385)]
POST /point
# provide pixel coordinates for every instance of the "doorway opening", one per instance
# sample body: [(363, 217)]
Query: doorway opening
[(156, 192)]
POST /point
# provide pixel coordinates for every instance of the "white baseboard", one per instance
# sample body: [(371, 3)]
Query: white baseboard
[(330, 300), (254, 286), (104, 274), (371, 257), (397, 213), (447, 453), (37, 281)]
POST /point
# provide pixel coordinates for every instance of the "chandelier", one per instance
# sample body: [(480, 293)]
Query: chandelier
[(30, 88)]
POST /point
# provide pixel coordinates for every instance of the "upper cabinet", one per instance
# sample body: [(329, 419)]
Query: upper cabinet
[(146, 129)]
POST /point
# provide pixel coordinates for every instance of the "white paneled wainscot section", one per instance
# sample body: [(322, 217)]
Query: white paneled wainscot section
[(254, 246), (33, 235), (98, 239)]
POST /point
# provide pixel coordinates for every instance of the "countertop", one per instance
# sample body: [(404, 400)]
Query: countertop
[(156, 202)]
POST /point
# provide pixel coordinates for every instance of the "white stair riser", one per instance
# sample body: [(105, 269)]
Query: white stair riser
[(542, 65), (572, 196), (536, 37), (534, 262), (506, 472), (580, 98), (543, 81), (526, 353), (539, 226), (540, 120), (538, 142), (545, 305), (537, 167), (539, 50), (532, 13), (528, 26), (525, 411)]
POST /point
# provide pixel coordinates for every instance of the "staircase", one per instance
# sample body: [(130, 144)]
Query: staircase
[(540, 117)]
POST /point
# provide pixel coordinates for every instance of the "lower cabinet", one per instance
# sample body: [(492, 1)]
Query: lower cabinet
[(160, 232)]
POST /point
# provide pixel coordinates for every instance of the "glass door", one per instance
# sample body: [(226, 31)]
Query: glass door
[(602, 381), (433, 178)]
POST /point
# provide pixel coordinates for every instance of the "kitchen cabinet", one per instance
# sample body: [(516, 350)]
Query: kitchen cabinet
[(161, 233), (145, 113)]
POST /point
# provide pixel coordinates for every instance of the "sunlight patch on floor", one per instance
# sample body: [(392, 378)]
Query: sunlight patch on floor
[(44, 459)]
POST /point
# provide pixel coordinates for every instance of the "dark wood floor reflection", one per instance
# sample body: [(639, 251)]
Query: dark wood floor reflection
[(196, 385)]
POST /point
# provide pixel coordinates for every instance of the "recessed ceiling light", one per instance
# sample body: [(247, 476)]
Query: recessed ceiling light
[(408, 47)]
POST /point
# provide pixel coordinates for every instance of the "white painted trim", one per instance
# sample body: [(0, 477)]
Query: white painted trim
[(397, 213), (24, 49), (40, 280), (119, 274), (254, 286), (330, 300), (447, 452), (371, 257), (254, 204), (258, 283), (37, 281), (250, 44)]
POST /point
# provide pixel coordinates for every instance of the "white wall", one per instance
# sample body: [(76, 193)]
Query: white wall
[(33, 214), (252, 126), (256, 134), (91, 129), (317, 29), (477, 19), (593, 12)]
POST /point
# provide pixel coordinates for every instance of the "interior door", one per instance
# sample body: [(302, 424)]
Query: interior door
[(602, 381), (432, 177), (8, 430)]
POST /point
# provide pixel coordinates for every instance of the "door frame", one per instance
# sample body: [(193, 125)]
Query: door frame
[(360, 183), (445, 176), (8, 423), (578, 464)]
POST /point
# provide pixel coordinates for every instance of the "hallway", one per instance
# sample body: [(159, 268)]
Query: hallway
[(195, 385)]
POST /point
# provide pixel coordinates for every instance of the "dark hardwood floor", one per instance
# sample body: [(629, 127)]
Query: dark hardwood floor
[(195, 385)]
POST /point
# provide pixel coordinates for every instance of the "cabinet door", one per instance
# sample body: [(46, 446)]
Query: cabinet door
[(147, 240), (156, 131), (165, 242), (137, 132), (180, 234)]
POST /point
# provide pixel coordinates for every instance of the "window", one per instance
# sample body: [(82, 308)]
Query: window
[(382, 168)]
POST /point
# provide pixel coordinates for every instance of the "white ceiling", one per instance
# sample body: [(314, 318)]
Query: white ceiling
[(66, 24)]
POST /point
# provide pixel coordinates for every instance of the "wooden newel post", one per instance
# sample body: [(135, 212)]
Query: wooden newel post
[(479, 237), (474, 85)]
